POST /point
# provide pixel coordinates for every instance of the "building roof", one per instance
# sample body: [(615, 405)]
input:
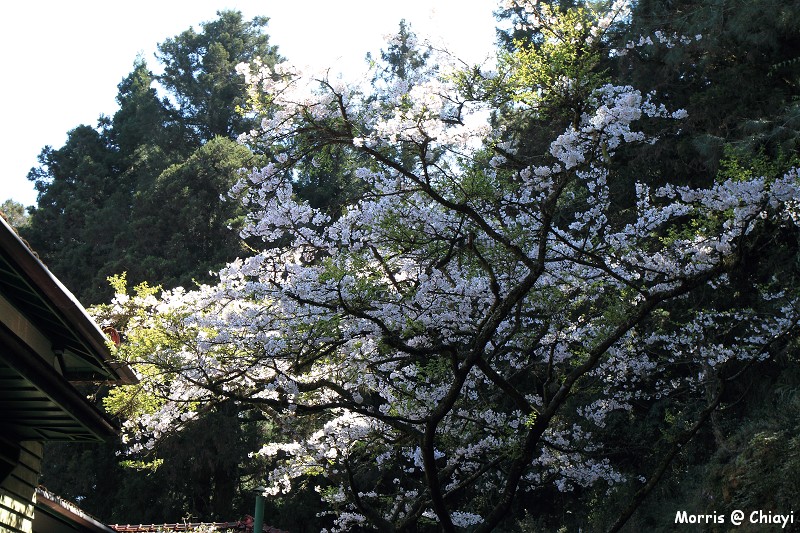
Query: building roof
[(242, 526), (54, 514), (48, 345)]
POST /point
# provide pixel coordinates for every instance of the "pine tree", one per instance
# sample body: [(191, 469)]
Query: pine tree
[(199, 71)]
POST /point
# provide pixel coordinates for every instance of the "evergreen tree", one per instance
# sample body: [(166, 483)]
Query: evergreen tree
[(185, 227), (403, 59), (99, 191), (76, 220), (14, 213), (143, 120), (200, 72)]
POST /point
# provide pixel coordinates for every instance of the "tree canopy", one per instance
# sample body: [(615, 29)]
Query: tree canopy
[(510, 308), (199, 72), (108, 186)]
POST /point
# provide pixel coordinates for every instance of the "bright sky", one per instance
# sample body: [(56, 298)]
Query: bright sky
[(62, 60)]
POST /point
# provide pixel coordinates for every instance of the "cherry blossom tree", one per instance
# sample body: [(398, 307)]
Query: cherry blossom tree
[(455, 341)]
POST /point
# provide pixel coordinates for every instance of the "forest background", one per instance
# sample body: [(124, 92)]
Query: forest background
[(101, 212)]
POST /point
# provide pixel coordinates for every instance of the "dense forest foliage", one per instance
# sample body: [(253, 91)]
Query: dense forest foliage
[(141, 193), (558, 292)]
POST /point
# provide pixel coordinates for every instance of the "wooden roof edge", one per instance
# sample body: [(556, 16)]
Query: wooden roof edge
[(69, 511), (62, 299)]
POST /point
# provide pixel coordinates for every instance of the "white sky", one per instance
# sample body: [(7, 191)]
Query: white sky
[(62, 60)]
